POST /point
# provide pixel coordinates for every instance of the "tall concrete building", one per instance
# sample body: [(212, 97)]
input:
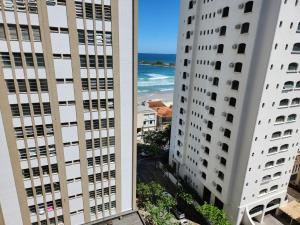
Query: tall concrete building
[(236, 115), (67, 106)]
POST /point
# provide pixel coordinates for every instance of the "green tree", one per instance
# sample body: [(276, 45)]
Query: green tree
[(186, 197), (213, 214)]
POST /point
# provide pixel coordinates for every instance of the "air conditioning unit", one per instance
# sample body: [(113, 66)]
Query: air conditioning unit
[(208, 93), (219, 11), (194, 2), (193, 17), (212, 63), (218, 157), (202, 147), (220, 143), (234, 46), (207, 107), (231, 65), (226, 99), (224, 114), (229, 82), (190, 48), (216, 171), (203, 135), (210, 79), (238, 26), (241, 6), (215, 47), (201, 159), (217, 30), (222, 129), (192, 32), (205, 121), (214, 184)]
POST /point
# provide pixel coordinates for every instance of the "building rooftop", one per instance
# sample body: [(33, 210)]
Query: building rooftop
[(161, 109), (128, 218)]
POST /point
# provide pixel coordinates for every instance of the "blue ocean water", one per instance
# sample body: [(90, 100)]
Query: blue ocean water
[(156, 78)]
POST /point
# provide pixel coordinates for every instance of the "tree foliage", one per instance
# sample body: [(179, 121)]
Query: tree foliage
[(158, 139), (213, 214)]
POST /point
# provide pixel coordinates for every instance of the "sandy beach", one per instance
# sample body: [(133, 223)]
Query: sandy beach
[(165, 96)]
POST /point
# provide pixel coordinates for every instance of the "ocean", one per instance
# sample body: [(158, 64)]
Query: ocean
[(156, 78)]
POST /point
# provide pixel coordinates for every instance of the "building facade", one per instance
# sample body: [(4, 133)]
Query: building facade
[(67, 110), (146, 120), (235, 128)]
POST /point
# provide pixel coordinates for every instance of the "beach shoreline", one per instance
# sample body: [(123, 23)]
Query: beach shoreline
[(164, 96)]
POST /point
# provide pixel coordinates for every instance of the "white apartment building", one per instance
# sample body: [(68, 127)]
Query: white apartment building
[(235, 128), (146, 120), (67, 110)]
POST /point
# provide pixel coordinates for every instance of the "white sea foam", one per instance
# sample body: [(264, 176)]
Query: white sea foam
[(155, 83), (166, 89), (155, 76)]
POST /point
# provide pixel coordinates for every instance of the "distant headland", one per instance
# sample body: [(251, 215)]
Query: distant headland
[(156, 63)]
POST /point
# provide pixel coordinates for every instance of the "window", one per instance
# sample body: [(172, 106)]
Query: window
[(276, 134), (83, 62), (291, 117), (212, 111), (288, 132), (100, 61), (191, 4), (259, 207), (276, 175), (89, 10), (235, 85), (213, 96), (206, 150), (187, 48), (36, 33), (208, 137), (229, 117), (225, 147), (273, 150), (295, 101), (245, 28), (296, 48), (81, 37), (210, 124), (108, 38), (90, 37), (298, 28), (223, 31), (273, 188), (219, 188), (227, 133), (216, 81), (185, 63), (79, 9), (2, 32), (241, 48), (218, 65), (25, 33), (238, 67), (284, 147), (107, 13), (298, 84), (39, 58), (5, 59), (280, 119), (221, 175), (269, 164), (285, 102), (288, 85), (248, 7), (293, 67), (188, 35), (32, 6), (225, 12), (189, 20), (232, 102), (12, 32), (262, 192), (220, 48), (17, 59), (223, 161), (109, 61), (205, 163), (98, 12)]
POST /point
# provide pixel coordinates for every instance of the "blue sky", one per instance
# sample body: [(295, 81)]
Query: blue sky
[(158, 25)]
